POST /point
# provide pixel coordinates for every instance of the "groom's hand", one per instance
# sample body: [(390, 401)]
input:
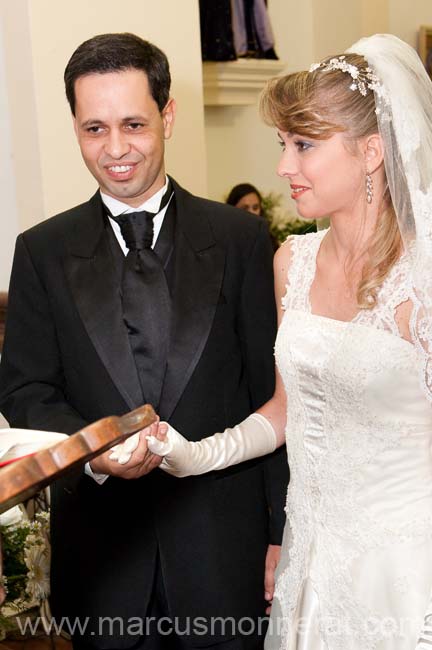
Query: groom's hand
[(141, 462), (271, 562)]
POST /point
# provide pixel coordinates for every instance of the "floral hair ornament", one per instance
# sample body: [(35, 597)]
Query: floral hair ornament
[(363, 79)]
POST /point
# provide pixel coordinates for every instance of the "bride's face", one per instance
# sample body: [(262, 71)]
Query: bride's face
[(326, 177)]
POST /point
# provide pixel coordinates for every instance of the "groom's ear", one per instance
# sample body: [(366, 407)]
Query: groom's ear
[(373, 151)]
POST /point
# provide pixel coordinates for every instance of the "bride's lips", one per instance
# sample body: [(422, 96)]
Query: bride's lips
[(298, 190), (120, 172)]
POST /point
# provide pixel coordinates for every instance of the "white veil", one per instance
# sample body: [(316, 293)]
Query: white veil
[(404, 112)]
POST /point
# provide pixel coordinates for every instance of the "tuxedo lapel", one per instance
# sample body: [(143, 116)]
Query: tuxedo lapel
[(92, 278), (198, 275)]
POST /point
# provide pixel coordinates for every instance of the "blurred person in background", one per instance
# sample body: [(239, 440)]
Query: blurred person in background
[(246, 197)]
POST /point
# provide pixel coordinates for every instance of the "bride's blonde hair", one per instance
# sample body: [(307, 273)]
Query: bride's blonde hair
[(316, 105)]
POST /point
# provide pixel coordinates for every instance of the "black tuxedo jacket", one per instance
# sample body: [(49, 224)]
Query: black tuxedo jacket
[(67, 362)]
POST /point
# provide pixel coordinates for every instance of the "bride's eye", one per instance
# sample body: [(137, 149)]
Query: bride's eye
[(303, 145)]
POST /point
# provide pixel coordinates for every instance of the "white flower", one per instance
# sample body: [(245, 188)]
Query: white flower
[(38, 562)]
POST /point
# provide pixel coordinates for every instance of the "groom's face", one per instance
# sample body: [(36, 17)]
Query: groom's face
[(122, 133)]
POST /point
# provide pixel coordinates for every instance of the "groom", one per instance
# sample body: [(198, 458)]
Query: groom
[(109, 310)]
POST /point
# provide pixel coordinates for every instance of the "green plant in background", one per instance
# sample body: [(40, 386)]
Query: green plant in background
[(281, 229), (26, 554), (14, 568)]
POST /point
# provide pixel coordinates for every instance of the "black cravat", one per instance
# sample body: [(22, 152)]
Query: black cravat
[(146, 300)]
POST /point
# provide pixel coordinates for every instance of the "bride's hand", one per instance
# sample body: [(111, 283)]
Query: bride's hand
[(158, 438), (157, 430)]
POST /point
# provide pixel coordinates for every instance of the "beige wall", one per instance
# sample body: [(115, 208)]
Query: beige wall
[(375, 17), (20, 175), (405, 18), (337, 24), (9, 216)]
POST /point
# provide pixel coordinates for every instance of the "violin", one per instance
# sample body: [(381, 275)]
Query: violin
[(23, 478)]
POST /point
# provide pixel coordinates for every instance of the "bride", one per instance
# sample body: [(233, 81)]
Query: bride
[(354, 383)]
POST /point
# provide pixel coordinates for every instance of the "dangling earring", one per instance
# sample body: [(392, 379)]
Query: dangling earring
[(369, 188)]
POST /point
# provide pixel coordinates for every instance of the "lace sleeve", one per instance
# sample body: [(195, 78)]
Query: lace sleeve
[(289, 243), (302, 253)]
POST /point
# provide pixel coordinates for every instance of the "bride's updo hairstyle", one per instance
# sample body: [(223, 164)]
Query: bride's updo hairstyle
[(317, 105)]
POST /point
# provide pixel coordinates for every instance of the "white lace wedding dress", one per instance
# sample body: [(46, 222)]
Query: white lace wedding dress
[(356, 567)]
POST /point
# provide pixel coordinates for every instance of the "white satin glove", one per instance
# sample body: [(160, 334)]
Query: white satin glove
[(124, 450), (251, 438)]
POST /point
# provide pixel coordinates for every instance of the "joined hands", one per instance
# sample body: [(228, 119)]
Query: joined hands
[(132, 458)]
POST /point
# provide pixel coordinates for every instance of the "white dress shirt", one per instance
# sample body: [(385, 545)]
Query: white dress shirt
[(152, 204), (117, 208)]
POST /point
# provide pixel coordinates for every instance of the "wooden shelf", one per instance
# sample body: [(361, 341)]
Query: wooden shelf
[(237, 83)]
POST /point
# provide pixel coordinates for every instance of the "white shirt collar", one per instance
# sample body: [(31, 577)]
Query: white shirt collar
[(152, 204), (117, 207)]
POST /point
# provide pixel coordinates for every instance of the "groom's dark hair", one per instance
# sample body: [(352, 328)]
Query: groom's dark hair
[(117, 53)]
